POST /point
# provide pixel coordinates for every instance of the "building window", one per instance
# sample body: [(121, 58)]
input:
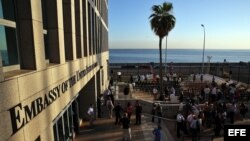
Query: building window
[(38, 138), (7, 10), (63, 125), (45, 38), (8, 46), (45, 25), (8, 39)]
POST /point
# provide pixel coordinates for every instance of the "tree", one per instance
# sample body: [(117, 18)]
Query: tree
[(162, 22)]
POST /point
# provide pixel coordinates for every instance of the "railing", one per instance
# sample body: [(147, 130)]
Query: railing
[(169, 126)]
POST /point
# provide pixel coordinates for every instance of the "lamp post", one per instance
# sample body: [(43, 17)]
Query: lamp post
[(203, 50)]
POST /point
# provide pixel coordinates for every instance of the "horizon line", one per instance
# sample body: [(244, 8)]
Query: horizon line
[(186, 48)]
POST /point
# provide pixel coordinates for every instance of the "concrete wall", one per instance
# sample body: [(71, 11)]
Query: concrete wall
[(24, 89), (168, 110), (240, 71)]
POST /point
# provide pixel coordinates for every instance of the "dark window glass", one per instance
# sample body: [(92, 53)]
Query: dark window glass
[(66, 124), (60, 129), (38, 139), (45, 38), (55, 132), (44, 12), (70, 119), (7, 10), (8, 46)]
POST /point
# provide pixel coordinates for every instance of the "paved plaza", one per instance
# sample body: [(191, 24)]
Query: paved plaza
[(104, 128)]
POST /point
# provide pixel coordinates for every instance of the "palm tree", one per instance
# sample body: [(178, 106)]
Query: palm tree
[(162, 22)]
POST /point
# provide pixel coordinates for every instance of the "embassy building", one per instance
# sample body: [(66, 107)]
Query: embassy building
[(53, 64)]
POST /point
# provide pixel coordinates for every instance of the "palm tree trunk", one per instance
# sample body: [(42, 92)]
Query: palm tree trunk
[(160, 71), (166, 57)]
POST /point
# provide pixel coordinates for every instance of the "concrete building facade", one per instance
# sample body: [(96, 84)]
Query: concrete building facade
[(53, 64)]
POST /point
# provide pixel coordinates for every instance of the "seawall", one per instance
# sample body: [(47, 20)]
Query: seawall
[(237, 71)]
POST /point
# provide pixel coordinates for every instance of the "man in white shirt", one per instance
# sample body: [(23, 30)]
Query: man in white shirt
[(91, 115), (155, 92), (172, 90), (206, 92), (180, 124), (214, 93)]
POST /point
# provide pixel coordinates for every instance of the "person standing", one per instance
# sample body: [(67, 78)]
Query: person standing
[(153, 112), (243, 110), (99, 106), (126, 91), (138, 112), (118, 111), (157, 133), (112, 97), (232, 112), (206, 92), (194, 77), (180, 124), (172, 90), (131, 79), (218, 124), (110, 107), (126, 127), (91, 115), (129, 110), (194, 127), (159, 112), (201, 77), (155, 93), (213, 93)]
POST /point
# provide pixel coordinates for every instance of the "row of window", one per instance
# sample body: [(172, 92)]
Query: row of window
[(96, 29), (63, 126)]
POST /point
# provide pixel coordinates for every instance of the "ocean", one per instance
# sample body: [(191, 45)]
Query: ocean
[(177, 55)]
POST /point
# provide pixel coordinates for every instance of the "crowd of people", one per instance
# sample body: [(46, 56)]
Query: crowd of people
[(122, 113), (211, 108), (215, 106)]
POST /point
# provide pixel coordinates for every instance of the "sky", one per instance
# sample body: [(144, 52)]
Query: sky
[(226, 22)]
